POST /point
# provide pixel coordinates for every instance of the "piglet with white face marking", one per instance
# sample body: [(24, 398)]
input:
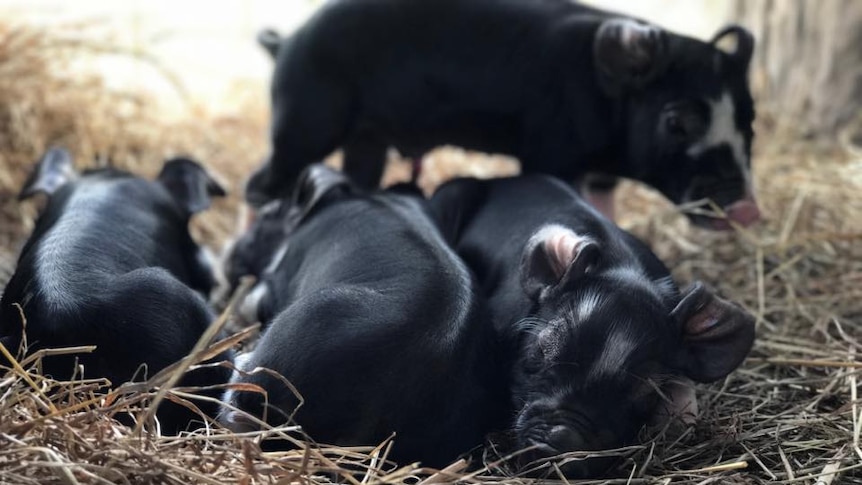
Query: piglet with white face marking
[(568, 89), (591, 319), (111, 263)]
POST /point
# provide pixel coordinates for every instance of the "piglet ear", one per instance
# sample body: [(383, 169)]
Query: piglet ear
[(716, 335), (314, 183), (190, 184), (54, 170), (270, 40), (554, 256), (628, 53), (741, 55)]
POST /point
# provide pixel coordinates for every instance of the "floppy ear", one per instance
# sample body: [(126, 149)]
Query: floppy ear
[(270, 41), (54, 170), (741, 55), (628, 53), (190, 184), (554, 256), (716, 335), (313, 184)]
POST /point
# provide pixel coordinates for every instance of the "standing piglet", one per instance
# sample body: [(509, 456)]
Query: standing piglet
[(111, 263), (373, 319), (593, 322), (568, 89)]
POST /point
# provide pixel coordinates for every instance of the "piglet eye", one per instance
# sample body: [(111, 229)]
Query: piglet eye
[(674, 125)]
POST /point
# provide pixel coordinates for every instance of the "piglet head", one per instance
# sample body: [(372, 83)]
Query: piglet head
[(605, 345), (190, 185), (259, 249), (688, 114)]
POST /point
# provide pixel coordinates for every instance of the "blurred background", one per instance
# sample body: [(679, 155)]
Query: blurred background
[(128, 83)]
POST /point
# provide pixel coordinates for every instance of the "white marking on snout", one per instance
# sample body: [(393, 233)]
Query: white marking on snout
[(722, 131), (618, 347), (249, 308)]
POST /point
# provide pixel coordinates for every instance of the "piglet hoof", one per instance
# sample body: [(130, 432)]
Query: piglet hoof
[(678, 406)]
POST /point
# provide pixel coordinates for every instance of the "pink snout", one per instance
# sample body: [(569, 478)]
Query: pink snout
[(744, 212)]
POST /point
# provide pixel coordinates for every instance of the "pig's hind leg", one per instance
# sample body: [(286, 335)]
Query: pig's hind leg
[(149, 318)]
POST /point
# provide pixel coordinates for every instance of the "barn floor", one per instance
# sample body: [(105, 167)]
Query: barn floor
[(791, 414)]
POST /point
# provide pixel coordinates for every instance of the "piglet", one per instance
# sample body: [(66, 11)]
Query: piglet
[(372, 317), (111, 263), (591, 322)]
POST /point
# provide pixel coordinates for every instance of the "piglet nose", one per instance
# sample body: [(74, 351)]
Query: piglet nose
[(564, 438)]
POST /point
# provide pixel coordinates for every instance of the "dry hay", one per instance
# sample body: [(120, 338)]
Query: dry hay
[(790, 415)]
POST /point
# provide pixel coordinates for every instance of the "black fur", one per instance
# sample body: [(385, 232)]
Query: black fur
[(111, 264), (548, 81), (375, 321), (580, 370)]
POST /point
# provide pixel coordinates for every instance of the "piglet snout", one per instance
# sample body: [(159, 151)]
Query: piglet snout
[(564, 438), (744, 212)]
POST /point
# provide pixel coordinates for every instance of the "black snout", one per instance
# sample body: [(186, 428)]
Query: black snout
[(564, 438), (551, 430), (724, 183), (573, 464)]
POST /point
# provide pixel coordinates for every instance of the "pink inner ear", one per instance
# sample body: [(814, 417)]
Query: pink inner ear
[(561, 250), (562, 246), (703, 320)]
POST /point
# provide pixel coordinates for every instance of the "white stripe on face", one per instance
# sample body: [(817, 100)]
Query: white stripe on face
[(723, 131), (617, 350), (588, 305)]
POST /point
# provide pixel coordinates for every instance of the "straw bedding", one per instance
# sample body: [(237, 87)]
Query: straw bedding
[(790, 414)]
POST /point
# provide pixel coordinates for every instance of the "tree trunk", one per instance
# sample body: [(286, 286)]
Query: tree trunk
[(807, 67)]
